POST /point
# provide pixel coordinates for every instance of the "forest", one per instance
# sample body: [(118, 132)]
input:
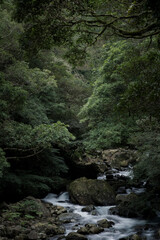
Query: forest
[(78, 79)]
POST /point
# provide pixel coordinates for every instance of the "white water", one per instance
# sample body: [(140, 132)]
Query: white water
[(118, 173), (135, 190), (123, 226), (125, 173)]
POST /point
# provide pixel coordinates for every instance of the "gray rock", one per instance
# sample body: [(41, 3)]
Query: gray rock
[(88, 208), (69, 217), (104, 223), (94, 229), (90, 229), (75, 236), (33, 235), (83, 230), (94, 213), (54, 229), (120, 157)]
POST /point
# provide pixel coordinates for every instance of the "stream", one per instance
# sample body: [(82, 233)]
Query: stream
[(122, 228)]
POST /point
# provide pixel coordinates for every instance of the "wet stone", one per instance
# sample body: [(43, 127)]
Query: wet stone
[(83, 230), (94, 213), (69, 217), (75, 236), (90, 229), (88, 208), (104, 223)]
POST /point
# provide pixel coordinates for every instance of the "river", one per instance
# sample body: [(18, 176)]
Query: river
[(123, 227)]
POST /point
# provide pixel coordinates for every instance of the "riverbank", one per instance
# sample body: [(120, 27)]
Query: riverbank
[(55, 218), (110, 207), (99, 223), (30, 219)]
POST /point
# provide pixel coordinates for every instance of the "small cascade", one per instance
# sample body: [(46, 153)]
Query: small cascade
[(122, 227), (125, 172), (135, 190)]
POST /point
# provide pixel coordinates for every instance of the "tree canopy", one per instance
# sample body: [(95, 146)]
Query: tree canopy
[(78, 23)]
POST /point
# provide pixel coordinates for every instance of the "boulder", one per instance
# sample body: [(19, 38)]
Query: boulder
[(83, 230), (75, 236), (60, 210), (94, 229), (89, 208), (69, 217), (94, 213), (90, 229), (104, 223), (91, 191), (120, 157), (124, 163), (133, 205), (55, 210), (126, 198), (34, 207)]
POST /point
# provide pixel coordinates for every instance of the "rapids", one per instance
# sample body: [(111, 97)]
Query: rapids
[(122, 227)]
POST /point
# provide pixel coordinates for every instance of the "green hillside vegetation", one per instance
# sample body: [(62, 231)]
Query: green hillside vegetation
[(39, 102), (51, 105)]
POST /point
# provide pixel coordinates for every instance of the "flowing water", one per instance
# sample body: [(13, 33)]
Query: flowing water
[(118, 173), (122, 227)]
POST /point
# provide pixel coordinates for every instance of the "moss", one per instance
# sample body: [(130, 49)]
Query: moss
[(28, 209), (88, 191)]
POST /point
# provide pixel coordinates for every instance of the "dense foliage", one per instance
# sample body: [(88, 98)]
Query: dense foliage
[(79, 23), (39, 99), (123, 109), (116, 94)]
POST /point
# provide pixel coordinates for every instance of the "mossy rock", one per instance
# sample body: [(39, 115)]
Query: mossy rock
[(90, 229), (91, 191), (75, 236), (124, 163), (126, 198), (119, 157), (133, 205)]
